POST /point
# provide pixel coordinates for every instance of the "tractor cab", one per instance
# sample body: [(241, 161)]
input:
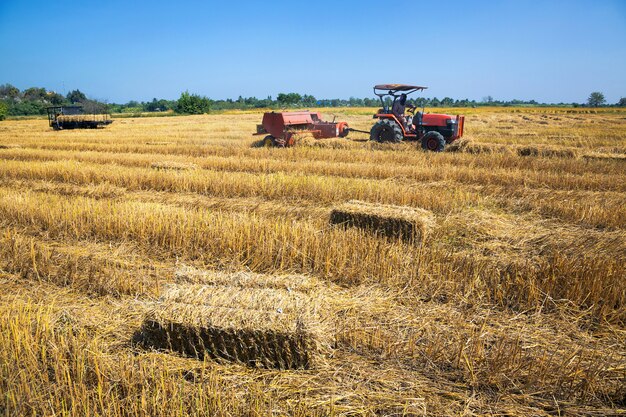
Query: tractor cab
[(434, 131), (393, 91)]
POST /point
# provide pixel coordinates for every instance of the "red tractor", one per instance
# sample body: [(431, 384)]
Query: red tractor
[(434, 131)]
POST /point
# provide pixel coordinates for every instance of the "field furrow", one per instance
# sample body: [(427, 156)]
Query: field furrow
[(530, 262), (592, 208), (502, 170)]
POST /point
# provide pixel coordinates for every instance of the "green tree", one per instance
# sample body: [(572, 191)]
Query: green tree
[(94, 107), (157, 105), (192, 104), (27, 108), (289, 99), (371, 102), (35, 93), (76, 96), (447, 102), (596, 99), (7, 91), (308, 100), (56, 98), (3, 110), (622, 102)]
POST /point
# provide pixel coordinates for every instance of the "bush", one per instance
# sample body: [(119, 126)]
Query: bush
[(27, 108), (3, 110), (192, 104)]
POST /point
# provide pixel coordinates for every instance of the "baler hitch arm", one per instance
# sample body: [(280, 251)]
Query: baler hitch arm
[(357, 130)]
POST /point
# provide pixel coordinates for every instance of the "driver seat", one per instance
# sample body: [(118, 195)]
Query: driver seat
[(417, 119)]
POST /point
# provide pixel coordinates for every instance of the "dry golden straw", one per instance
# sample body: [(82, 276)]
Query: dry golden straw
[(242, 279), (516, 306)]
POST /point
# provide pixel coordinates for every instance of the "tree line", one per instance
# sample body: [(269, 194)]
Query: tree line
[(35, 100)]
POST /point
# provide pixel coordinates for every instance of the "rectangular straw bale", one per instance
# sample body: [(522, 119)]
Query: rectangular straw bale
[(547, 151), (173, 165), (262, 299), (469, 146), (259, 327), (487, 148), (81, 117), (244, 279), (599, 156), (408, 223)]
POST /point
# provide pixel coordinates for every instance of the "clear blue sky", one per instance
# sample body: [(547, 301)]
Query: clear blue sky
[(549, 50)]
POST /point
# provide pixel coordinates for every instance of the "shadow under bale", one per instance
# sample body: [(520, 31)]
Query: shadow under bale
[(263, 349), (259, 327), (407, 223)]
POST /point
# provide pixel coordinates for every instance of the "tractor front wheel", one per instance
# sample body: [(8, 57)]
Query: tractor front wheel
[(386, 130), (433, 141)]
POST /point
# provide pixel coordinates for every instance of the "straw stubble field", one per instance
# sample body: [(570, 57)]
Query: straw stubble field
[(117, 245)]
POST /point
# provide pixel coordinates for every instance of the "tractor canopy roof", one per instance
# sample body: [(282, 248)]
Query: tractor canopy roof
[(383, 90), (398, 87)]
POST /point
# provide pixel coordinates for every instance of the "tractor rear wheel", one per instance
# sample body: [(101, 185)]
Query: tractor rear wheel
[(433, 141), (386, 130)]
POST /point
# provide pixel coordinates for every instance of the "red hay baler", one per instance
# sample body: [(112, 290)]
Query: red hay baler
[(281, 127)]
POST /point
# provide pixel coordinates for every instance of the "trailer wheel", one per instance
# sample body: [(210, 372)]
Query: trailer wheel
[(433, 141), (386, 130), (268, 141)]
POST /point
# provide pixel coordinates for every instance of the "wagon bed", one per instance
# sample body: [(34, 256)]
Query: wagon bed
[(73, 117)]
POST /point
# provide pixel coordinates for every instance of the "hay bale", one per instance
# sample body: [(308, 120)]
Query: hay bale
[(307, 140), (291, 282), (468, 146), (82, 117), (408, 223), (605, 157), (546, 151), (172, 165), (261, 327)]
